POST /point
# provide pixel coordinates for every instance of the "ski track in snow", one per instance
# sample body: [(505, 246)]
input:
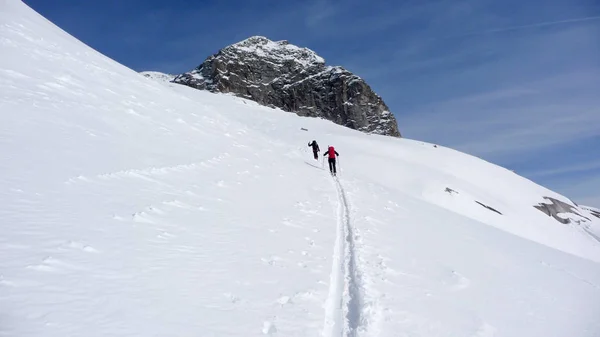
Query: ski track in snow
[(343, 316)]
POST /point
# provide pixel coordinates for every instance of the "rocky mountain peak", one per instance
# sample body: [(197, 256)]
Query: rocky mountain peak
[(260, 46), (295, 79)]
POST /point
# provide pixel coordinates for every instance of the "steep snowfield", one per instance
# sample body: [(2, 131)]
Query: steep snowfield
[(135, 208)]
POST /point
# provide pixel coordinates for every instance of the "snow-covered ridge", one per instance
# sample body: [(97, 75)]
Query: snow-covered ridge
[(594, 211), (282, 50), (158, 76)]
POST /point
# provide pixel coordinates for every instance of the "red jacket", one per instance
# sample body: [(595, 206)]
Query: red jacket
[(331, 152)]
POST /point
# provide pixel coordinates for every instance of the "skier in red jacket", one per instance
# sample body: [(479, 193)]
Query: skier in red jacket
[(331, 152)]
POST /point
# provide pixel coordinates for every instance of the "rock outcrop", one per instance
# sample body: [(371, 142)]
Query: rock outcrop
[(279, 74), (560, 211)]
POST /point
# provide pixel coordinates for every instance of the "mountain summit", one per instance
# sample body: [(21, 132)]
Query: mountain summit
[(295, 79)]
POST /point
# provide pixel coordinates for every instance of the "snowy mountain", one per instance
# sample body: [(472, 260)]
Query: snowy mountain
[(279, 74), (133, 208), (158, 76), (594, 211)]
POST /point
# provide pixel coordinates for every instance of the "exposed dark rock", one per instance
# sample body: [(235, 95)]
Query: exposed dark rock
[(488, 207), (295, 79), (556, 207), (449, 190)]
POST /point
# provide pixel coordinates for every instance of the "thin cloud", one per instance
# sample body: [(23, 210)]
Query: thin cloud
[(319, 11), (589, 201), (583, 191), (568, 169), (510, 124), (533, 25)]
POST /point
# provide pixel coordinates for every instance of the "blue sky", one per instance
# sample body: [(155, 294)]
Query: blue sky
[(514, 82)]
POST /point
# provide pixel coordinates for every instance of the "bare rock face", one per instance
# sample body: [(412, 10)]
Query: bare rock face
[(556, 207), (294, 79)]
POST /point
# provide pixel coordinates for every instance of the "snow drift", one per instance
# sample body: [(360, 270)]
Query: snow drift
[(158, 76), (134, 208)]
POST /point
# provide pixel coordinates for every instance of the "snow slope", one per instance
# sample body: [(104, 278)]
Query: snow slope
[(591, 209), (135, 208)]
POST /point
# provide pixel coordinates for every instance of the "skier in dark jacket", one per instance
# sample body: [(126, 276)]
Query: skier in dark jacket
[(331, 153), (315, 148)]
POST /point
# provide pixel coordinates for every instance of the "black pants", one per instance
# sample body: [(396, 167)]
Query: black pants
[(316, 154), (332, 165)]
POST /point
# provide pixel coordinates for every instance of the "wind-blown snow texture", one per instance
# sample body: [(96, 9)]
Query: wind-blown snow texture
[(135, 208), (158, 76)]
